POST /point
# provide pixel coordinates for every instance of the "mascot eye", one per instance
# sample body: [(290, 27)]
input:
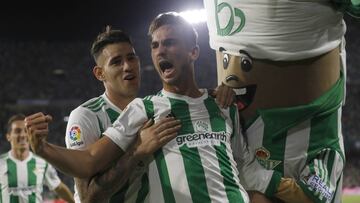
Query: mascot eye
[(245, 61), (226, 61)]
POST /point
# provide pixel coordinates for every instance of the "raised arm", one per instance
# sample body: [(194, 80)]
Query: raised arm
[(98, 156), (75, 163)]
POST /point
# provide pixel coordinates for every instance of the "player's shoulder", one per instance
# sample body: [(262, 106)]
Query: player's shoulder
[(4, 156), (93, 105)]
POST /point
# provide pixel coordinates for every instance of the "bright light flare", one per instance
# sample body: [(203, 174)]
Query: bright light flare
[(194, 16)]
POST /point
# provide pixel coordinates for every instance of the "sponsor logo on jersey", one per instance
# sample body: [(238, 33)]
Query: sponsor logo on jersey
[(75, 136), (202, 139), (316, 184), (263, 157), (19, 191)]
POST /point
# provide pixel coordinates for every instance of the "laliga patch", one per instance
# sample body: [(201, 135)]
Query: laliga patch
[(75, 136), (263, 157), (315, 183)]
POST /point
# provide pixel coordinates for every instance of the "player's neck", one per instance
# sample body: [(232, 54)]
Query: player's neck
[(120, 101), (20, 154), (188, 89)]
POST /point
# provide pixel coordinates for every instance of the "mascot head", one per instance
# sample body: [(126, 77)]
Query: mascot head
[(236, 71)]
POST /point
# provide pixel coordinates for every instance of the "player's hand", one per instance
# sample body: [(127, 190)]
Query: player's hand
[(257, 197), (153, 136), (37, 126), (225, 96)]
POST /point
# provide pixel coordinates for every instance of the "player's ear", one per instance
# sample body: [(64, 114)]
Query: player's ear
[(98, 73), (195, 52), (8, 137)]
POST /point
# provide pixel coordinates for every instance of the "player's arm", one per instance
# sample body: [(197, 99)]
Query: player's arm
[(98, 156), (64, 193), (102, 186)]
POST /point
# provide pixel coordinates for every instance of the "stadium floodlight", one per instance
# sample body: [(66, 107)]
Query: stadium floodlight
[(194, 16)]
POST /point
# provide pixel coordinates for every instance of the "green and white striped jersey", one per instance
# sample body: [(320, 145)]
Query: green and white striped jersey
[(86, 125), (23, 181), (303, 142), (196, 166)]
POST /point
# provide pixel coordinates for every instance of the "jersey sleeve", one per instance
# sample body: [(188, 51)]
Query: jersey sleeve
[(126, 126), (82, 129), (51, 178), (253, 177)]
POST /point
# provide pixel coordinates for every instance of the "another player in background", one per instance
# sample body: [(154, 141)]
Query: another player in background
[(23, 174)]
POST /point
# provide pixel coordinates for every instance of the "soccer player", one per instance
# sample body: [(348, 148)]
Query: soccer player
[(23, 174), (118, 68), (290, 57), (196, 166)]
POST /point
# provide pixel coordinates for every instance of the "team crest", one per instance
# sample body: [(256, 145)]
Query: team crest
[(201, 126), (263, 157)]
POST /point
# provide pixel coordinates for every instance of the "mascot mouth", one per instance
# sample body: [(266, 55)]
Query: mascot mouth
[(244, 96)]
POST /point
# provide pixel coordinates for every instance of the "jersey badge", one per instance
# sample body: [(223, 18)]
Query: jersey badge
[(263, 157), (75, 136)]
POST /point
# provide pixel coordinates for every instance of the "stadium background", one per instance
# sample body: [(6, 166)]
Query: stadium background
[(45, 64)]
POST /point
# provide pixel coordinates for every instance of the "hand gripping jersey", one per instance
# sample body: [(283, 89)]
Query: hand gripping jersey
[(23, 181), (276, 30), (86, 125), (196, 166)]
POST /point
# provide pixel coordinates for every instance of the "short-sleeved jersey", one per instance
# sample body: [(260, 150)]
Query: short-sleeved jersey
[(85, 126), (196, 166), (23, 181), (275, 30)]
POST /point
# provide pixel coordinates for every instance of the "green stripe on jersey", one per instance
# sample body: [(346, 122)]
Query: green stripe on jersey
[(160, 159), (12, 173), (91, 104), (31, 165), (324, 125), (276, 147), (149, 108), (164, 176), (113, 115), (144, 190), (218, 124), (12, 178), (192, 162), (233, 110)]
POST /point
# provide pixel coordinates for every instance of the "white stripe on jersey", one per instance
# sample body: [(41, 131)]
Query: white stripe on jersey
[(297, 143)]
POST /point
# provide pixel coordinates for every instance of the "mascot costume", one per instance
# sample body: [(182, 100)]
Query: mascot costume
[(286, 62)]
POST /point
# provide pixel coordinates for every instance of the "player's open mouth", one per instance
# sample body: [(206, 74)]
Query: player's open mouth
[(244, 96), (129, 77), (165, 64)]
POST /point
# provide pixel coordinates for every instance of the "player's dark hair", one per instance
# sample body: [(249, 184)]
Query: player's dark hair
[(16, 117)]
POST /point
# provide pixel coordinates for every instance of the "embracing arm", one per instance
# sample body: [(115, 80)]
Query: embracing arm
[(151, 138), (75, 163)]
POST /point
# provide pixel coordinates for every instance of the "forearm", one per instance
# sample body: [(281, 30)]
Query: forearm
[(64, 193), (75, 163), (71, 162), (103, 186)]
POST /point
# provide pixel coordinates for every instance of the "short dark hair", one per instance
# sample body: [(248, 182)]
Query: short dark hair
[(173, 18), (107, 37), (16, 117)]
